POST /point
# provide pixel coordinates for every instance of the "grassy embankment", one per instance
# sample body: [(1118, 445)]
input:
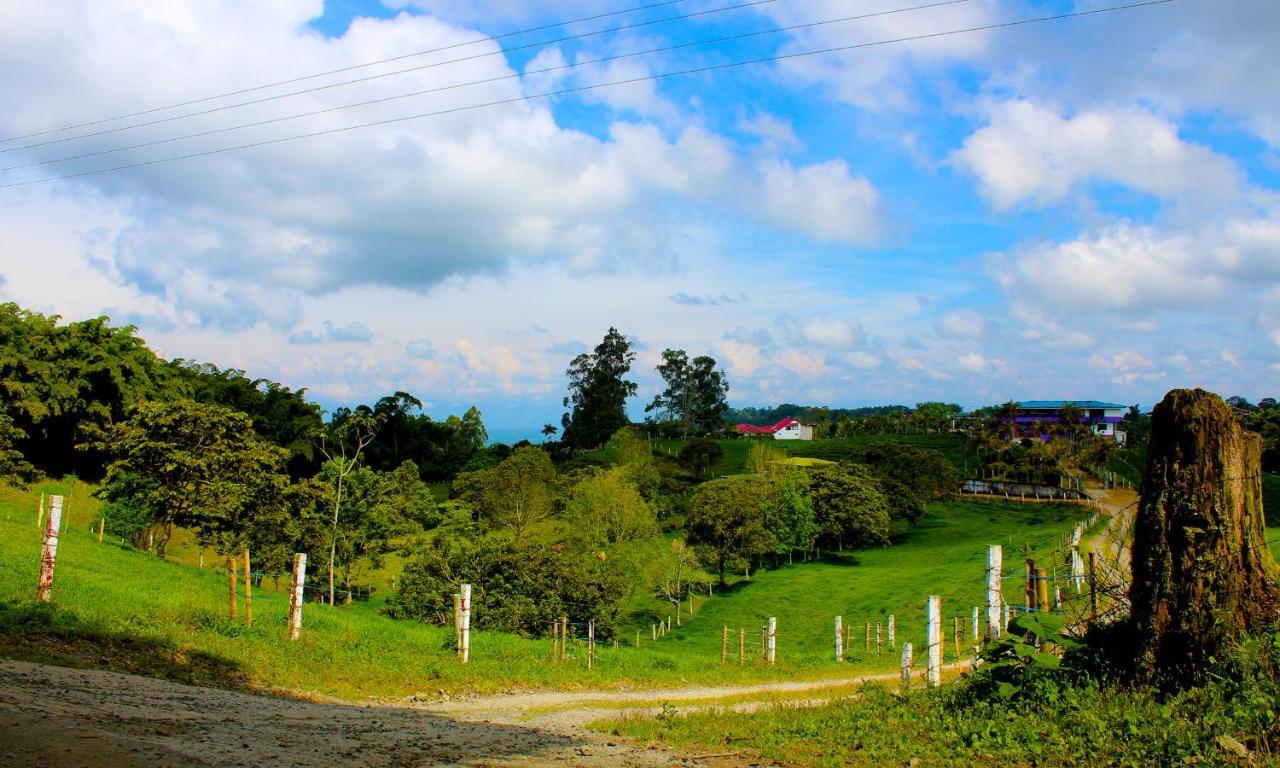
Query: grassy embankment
[(121, 609), (734, 460)]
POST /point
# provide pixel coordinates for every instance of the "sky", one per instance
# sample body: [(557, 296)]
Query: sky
[(1081, 208)]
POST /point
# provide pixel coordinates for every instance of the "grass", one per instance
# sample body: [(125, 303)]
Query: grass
[(734, 460), (117, 608)]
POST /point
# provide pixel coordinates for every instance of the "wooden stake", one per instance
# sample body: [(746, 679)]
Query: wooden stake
[(466, 623), (1029, 577), (49, 554), (906, 666), (839, 638), (893, 639), (866, 638), (591, 644), (933, 621), (742, 646), (40, 513), (773, 640), (654, 629), (955, 631), (995, 596), (1042, 591), (877, 638), (1093, 592), (977, 633), (296, 595), (555, 640), (248, 591), (231, 581), (564, 638), (637, 638), (724, 646)]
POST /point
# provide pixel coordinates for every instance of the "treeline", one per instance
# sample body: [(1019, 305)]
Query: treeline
[(924, 418)]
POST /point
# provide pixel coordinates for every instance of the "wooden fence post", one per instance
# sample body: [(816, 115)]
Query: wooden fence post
[(1093, 592), (591, 644), (955, 633), (466, 623), (893, 633), (296, 595), (654, 629), (49, 553), (742, 646), (977, 633), (102, 527), (933, 620), (231, 580), (1005, 610), (1029, 579), (724, 645), (877, 638), (866, 638), (1077, 571), (773, 640), (248, 591), (995, 596), (564, 638), (1042, 591), (637, 638), (906, 666), (839, 638)]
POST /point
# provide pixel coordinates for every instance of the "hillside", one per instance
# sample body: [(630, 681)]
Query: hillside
[(121, 609)]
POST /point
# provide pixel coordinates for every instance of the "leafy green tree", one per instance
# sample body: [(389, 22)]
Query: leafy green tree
[(695, 392), (678, 571), (515, 494), (190, 464), (605, 509), (700, 455), (598, 392), (789, 513), (849, 506), (13, 465), (342, 441), (727, 524)]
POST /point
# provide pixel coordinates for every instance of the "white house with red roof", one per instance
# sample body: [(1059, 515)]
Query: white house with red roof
[(787, 429)]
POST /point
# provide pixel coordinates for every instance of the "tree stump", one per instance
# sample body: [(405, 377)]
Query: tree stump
[(1202, 573)]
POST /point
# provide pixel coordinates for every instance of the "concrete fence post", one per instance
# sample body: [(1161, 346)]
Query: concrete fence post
[(49, 554), (296, 595)]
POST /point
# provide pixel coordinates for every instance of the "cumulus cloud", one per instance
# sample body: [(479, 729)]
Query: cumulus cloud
[(1030, 154), (973, 362), (421, 349), (961, 324), (350, 333)]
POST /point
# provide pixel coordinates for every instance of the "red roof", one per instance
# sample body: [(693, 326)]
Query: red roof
[(752, 429)]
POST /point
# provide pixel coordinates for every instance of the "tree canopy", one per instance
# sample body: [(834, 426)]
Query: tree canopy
[(598, 392)]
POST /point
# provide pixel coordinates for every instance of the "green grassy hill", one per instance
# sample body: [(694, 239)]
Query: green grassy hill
[(122, 609), (735, 451)]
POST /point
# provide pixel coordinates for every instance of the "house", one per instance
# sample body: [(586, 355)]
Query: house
[(787, 429), (1103, 419)]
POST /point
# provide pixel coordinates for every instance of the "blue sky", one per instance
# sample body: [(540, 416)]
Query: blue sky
[(1083, 208)]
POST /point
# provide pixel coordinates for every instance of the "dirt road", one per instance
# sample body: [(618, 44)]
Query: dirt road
[(55, 717)]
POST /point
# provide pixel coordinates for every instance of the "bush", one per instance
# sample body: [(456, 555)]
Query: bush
[(698, 456)]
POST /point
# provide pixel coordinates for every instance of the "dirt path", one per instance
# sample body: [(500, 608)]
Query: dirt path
[(54, 717), (1111, 545)]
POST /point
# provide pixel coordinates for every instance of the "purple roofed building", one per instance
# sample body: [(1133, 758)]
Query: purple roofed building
[(1105, 419)]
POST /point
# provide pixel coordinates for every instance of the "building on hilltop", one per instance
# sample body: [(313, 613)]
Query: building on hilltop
[(787, 429), (1103, 419)]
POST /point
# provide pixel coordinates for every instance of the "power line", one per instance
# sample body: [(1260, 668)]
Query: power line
[(441, 89), (597, 86), (393, 73), (350, 68)]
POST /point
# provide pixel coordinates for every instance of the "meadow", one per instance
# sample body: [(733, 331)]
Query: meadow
[(118, 608)]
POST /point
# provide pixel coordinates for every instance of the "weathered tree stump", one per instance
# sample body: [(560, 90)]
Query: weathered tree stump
[(1202, 572)]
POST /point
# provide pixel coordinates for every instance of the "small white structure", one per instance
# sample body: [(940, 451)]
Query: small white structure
[(795, 431)]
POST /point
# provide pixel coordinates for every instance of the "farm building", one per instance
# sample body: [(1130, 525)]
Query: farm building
[(1104, 419), (787, 429)]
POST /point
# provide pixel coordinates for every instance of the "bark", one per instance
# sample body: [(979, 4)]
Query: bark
[(1203, 575)]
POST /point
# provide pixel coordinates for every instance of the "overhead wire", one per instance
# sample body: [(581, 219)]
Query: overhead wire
[(393, 73), (486, 81), (595, 86), (350, 68)]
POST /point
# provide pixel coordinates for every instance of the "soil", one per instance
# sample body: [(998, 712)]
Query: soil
[(55, 717)]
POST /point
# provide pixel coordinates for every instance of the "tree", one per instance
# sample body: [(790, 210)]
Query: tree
[(13, 465), (789, 511), (190, 464), (848, 506), (695, 392), (606, 509), (1203, 575), (699, 455), (341, 443), (598, 392), (515, 494), (549, 431), (678, 569), (763, 459), (726, 523)]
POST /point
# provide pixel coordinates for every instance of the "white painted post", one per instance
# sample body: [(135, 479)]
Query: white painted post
[(591, 644), (1077, 571), (773, 640), (466, 623), (906, 665), (933, 620), (1005, 609), (893, 633), (977, 634), (995, 597), (877, 638), (295, 595), (653, 628), (44, 587), (839, 638)]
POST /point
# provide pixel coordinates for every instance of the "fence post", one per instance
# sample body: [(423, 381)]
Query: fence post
[(654, 629), (296, 595), (637, 638), (591, 644), (1077, 571), (1029, 577), (1093, 592), (906, 666), (40, 513), (564, 637), (49, 554), (955, 634), (102, 527), (877, 638), (231, 580), (995, 596), (933, 620), (1042, 590), (1005, 611), (724, 646), (893, 633), (977, 634), (742, 646), (466, 623), (866, 638), (839, 638), (248, 590), (773, 640)]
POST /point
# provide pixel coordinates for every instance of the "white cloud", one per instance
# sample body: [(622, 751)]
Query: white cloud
[(961, 324), (1029, 154), (823, 200), (973, 362), (831, 332)]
